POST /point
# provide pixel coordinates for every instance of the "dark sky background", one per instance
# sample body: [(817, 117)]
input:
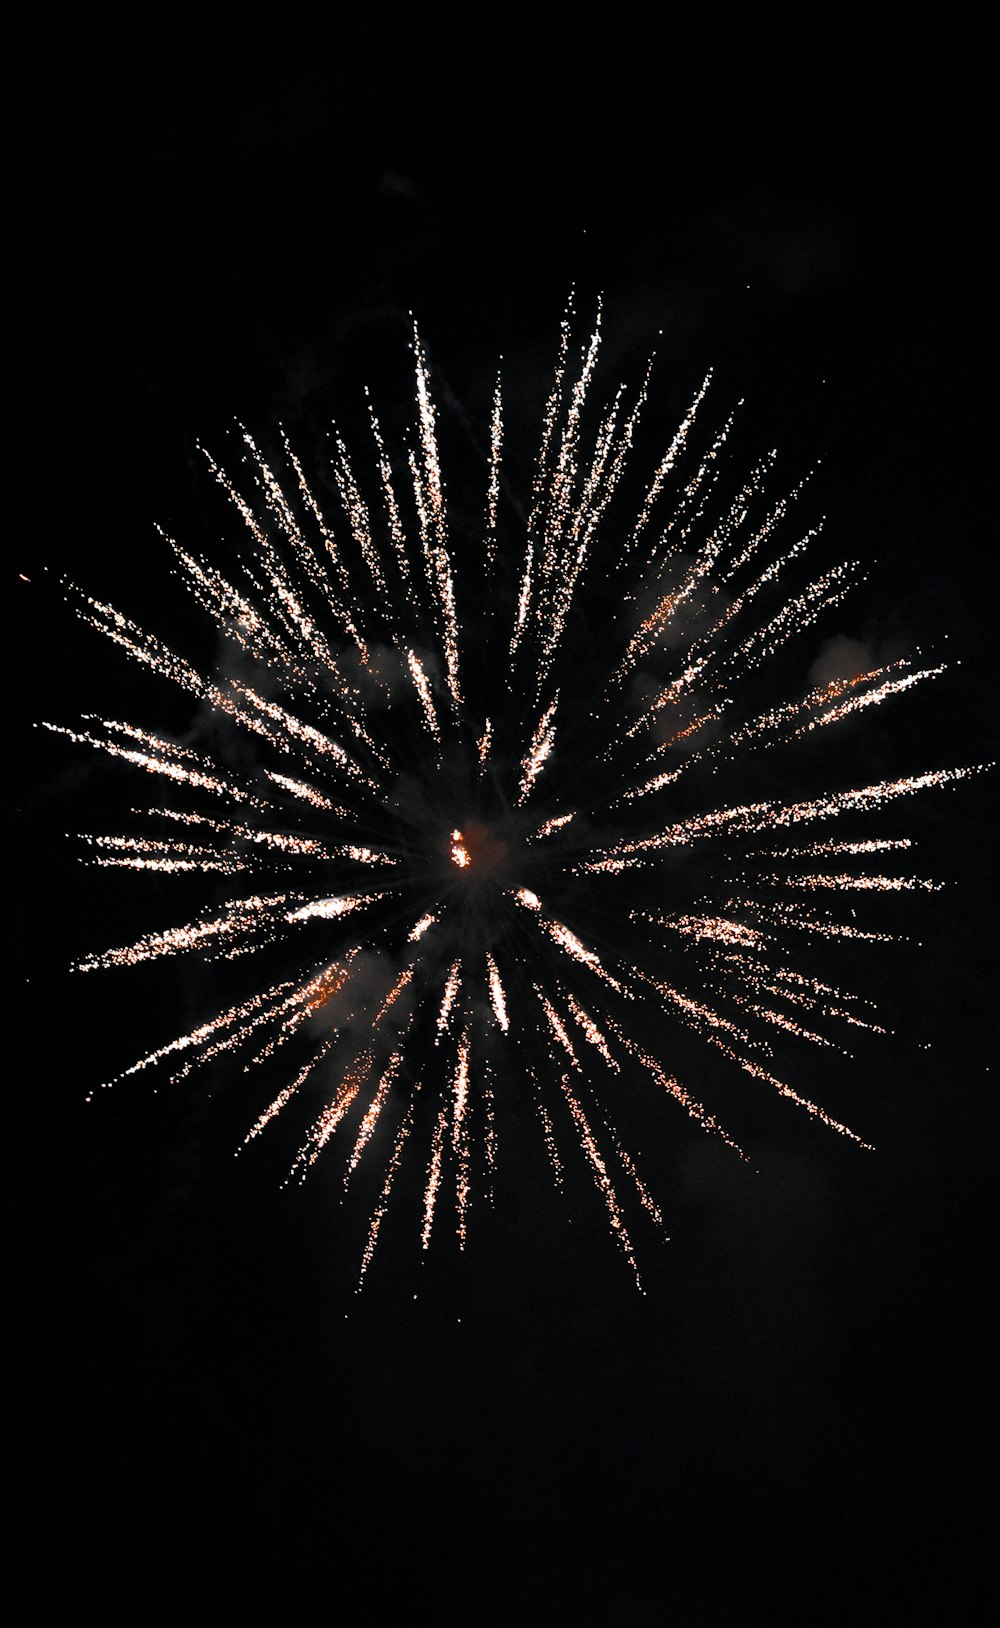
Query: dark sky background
[(791, 1422)]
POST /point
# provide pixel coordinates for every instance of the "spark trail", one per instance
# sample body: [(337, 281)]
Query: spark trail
[(456, 753)]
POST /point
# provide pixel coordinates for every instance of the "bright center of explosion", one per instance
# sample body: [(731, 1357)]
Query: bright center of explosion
[(477, 848)]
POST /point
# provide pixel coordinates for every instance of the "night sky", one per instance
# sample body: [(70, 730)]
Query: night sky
[(789, 1424)]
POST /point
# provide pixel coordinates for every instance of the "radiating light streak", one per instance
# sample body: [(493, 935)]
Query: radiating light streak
[(667, 463), (592, 1032), (242, 915), (287, 1092), (332, 1115), (490, 1140), (877, 845), (497, 996), (769, 815), (790, 915), (423, 690), (379, 1213), (429, 494), (550, 826), (161, 761), (159, 854), (257, 1004), (396, 529), (538, 752), (753, 1068), (870, 698), (302, 790), (371, 1116), (718, 929), (548, 1137), (675, 1089), (845, 882), (434, 1175), (330, 909), (283, 841), (397, 989), (557, 1027), (460, 1136), (493, 484), (561, 935), (601, 1177), (448, 998), (419, 928)]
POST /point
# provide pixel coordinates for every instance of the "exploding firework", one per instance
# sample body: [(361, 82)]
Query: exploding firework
[(482, 845)]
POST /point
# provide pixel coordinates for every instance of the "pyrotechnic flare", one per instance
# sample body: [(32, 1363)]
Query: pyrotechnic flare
[(459, 766)]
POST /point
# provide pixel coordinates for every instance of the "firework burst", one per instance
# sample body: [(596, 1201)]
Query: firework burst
[(457, 837)]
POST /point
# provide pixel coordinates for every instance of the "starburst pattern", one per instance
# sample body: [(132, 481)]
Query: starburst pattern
[(470, 835)]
